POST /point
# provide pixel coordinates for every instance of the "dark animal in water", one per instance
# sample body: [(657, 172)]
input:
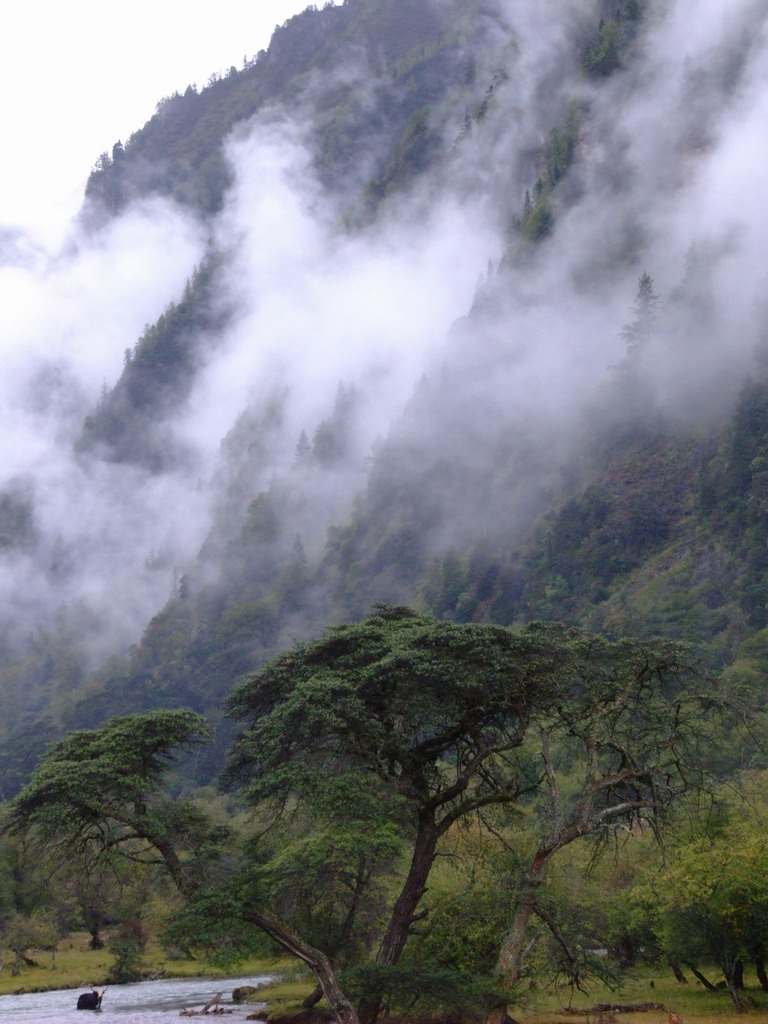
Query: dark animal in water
[(90, 1000)]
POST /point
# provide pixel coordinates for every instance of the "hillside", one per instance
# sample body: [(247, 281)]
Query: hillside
[(466, 326)]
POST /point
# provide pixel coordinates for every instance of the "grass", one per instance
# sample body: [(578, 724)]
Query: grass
[(78, 966), (692, 1002), (546, 1005), (285, 996)]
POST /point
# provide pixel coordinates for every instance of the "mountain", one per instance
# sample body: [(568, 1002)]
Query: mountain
[(465, 314)]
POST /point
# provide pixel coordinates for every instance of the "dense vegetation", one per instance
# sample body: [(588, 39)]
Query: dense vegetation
[(371, 751)]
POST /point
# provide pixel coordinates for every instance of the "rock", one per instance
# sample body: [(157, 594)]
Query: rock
[(243, 993)]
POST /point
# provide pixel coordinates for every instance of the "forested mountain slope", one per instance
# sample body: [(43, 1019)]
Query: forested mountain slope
[(354, 74), (469, 324)]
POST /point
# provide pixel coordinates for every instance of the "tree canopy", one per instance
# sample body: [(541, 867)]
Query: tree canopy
[(399, 696), (379, 738), (101, 793), (446, 719)]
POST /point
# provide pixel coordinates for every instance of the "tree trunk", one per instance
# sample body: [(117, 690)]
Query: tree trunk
[(733, 992), (733, 972), (362, 881), (499, 1015), (319, 963), (700, 977), (626, 952), (738, 975), (173, 863), (762, 977), (510, 959), (678, 972), (404, 910), (313, 998)]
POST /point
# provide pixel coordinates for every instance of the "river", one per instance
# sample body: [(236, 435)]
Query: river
[(150, 1002)]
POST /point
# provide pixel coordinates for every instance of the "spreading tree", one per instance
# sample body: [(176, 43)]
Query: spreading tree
[(390, 730)]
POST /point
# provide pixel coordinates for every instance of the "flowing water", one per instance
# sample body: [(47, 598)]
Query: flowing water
[(150, 1002)]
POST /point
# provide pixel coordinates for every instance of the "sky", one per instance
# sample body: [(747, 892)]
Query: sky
[(75, 77)]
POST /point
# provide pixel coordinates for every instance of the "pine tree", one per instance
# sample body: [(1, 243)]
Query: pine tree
[(645, 316), (303, 449)]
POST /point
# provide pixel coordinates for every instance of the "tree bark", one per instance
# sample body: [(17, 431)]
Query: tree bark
[(313, 998), (179, 875), (510, 959), (733, 992), (700, 977), (404, 910), (319, 963), (415, 886), (762, 977), (733, 972), (678, 972), (738, 974), (627, 951), (600, 1008)]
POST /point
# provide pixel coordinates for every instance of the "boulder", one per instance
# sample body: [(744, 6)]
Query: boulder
[(243, 993)]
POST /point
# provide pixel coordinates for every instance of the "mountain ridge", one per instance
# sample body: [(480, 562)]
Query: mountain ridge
[(614, 479)]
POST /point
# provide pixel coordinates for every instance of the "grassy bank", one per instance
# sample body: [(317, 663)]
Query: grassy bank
[(691, 1001), (550, 1005), (77, 966)]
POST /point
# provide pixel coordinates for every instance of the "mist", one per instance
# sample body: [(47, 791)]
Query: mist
[(464, 347), (78, 533)]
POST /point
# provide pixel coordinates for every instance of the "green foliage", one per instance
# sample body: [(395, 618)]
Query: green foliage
[(538, 221), (211, 924), (608, 48), (328, 870), (394, 694), (733, 495), (448, 719), (127, 944), (462, 929), (157, 376), (333, 439), (561, 146), (602, 56), (422, 987), (413, 154), (445, 585), (556, 159), (27, 887), (594, 538), (399, 696), (22, 934), (100, 794), (710, 904), (417, 51)]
